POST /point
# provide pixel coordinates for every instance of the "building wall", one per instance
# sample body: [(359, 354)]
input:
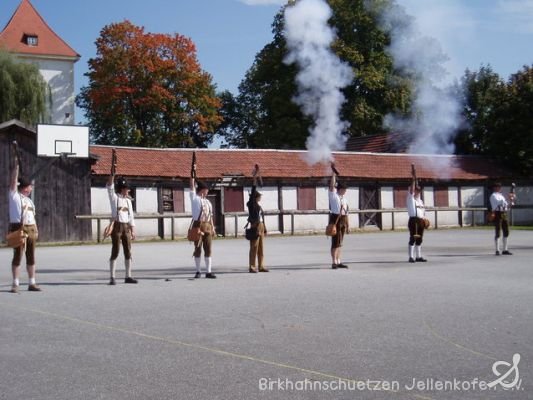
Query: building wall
[(469, 196), (59, 75), (269, 197), (387, 201), (473, 196), (524, 196)]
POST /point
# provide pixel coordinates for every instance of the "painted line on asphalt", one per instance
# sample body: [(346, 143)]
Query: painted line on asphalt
[(459, 346), (179, 343)]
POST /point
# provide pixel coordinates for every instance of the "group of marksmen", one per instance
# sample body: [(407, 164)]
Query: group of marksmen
[(202, 230)]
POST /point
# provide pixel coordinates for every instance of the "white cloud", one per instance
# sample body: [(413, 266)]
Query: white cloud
[(517, 14), (263, 2)]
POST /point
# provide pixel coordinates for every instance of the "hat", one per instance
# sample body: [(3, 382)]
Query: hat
[(341, 185), (496, 184), (122, 184), (23, 182), (201, 186)]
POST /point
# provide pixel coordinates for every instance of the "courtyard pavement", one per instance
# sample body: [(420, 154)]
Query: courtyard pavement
[(301, 331)]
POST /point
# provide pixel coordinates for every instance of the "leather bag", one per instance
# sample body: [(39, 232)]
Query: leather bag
[(16, 238)]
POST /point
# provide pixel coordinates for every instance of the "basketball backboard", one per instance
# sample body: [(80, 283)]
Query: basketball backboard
[(57, 140)]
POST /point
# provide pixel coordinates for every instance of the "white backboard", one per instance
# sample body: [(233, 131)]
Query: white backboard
[(54, 140)]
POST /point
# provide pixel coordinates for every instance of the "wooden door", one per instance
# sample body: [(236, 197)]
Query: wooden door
[(369, 200)]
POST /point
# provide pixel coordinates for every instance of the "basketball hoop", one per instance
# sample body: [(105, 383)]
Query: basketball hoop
[(63, 156), (62, 141)]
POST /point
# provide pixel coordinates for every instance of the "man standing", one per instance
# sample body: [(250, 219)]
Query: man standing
[(22, 213), (256, 219), (499, 206), (338, 215), (416, 225), (123, 226), (202, 214)]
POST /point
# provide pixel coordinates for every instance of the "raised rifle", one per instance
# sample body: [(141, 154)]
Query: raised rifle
[(17, 154), (113, 162), (413, 174), (193, 165), (258, 173), (335, 170)]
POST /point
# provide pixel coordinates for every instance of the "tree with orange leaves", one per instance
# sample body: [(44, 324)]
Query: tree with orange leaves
[(147, 89)]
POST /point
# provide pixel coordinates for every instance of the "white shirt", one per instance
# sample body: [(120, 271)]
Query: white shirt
[(498, 202), (18, 202), (200, 204), (415, 206), (337, 204), (121, 207)]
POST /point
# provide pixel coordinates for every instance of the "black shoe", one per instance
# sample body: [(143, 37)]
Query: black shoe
[(507, 253), (334, 266), (197, 275), (411, 260), (130, 280), (210, 275), (497, 252), (112, 282), (34, 288), (341, 265), (420, 259)]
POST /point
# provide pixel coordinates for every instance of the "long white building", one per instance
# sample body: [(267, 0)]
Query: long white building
[(295, 193)]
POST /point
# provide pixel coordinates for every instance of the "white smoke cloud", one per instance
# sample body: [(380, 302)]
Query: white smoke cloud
[(436, 111), (453, 23), (321, 75)]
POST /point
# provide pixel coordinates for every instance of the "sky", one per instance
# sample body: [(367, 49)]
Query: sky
[(229, 33)]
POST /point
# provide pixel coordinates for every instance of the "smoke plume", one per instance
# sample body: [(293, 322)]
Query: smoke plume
[(436, 112), (321, 75)]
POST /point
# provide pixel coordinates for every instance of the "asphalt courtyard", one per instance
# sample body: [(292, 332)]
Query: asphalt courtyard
[(383, 329)]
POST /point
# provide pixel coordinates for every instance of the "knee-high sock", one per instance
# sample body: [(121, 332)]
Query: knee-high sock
[(418, 251), (208, 264), (197, 261), (497, 244), (112, 267), (411, 251), (505, 248), (127, 264)]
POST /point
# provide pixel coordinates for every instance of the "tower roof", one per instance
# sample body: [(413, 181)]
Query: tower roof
[(28, 33)]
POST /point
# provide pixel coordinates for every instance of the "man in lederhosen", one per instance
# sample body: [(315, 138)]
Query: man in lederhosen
[(256, 219), (22, 212), (499, 206), (338, 213), (416, 225), (202, 214), (123, 227)]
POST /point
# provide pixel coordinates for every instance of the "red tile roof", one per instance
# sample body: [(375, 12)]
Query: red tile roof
[(212, 164), (384, 143), (27, 21)]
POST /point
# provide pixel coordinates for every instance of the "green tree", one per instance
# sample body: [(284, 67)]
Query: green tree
[(511, 137), (24, 95), (148, 89), (481, 91), (262, 115), (265, 94)]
